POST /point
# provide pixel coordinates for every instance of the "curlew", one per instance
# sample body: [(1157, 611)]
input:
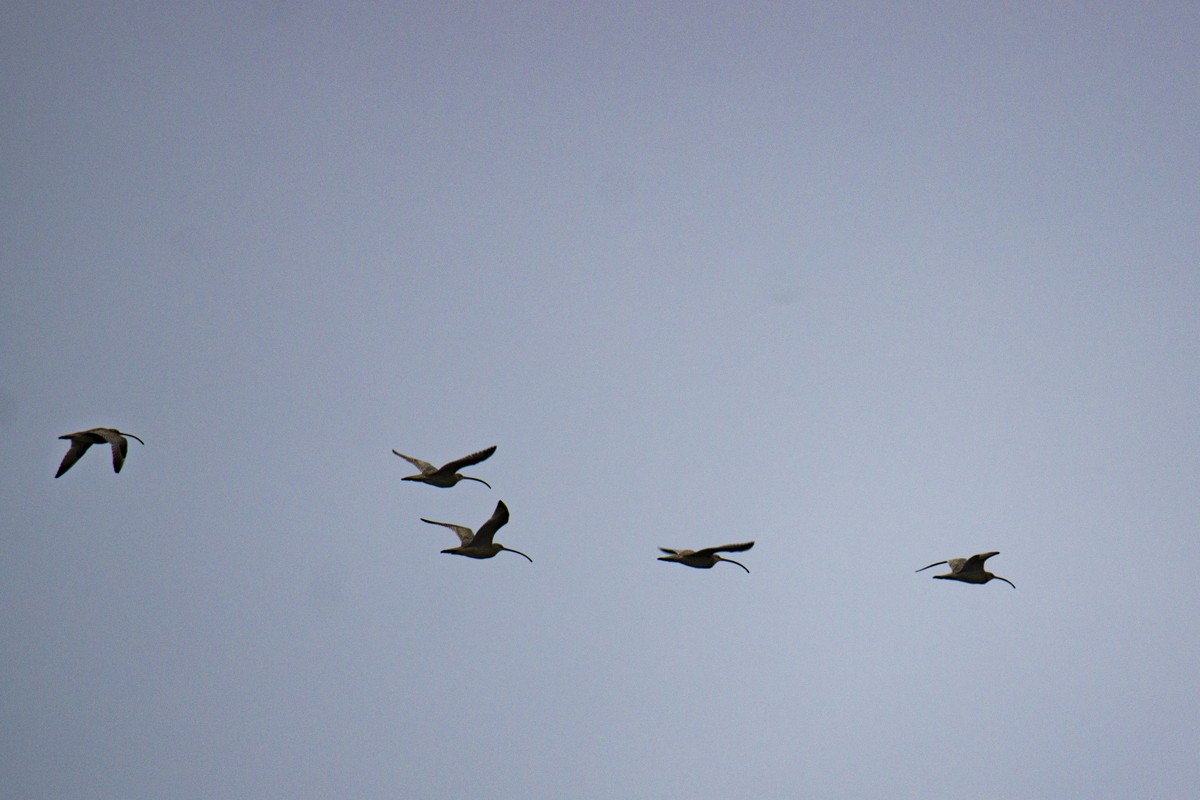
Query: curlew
[(82, 440), (969, 570), (446, 475), (706, 558), (479, 544)]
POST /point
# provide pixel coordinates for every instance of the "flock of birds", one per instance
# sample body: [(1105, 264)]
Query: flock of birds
[(481, 543)]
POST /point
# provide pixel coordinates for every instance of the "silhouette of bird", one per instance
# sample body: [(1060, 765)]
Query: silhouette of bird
[(82, 440), (969, 570), (706, 558), (479, 544), (446, 475)]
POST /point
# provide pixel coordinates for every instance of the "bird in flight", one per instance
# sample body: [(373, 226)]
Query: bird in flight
[(82, 440), (706, 558), (969, 570), (479, 544), (446, 475)]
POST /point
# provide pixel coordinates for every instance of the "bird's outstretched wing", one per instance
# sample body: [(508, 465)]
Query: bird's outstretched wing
[(465, 534), (488, 529), (975, 562), (934, 564), (76, 452), (466, 461), (726, 548), (957, 564), (669, 551), (120, 446), (425, 467)]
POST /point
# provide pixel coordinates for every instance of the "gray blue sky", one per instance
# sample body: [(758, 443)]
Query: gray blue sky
[(872, 284)]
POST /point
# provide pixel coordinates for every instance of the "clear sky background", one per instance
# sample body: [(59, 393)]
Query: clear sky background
[(872, 284)]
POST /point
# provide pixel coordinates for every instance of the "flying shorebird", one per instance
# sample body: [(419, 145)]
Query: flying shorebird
[(969, 570), (479, 544), (446, 475), (706, 558), (82, 440)]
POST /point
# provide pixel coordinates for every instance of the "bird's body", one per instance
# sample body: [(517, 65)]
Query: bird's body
[(706, 558), (446, 475), (82, 440), (969, 570), (479, 544)]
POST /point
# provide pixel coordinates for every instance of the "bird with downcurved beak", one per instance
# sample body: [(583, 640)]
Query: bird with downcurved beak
[(706, 558), (969, 570), (82, 440), (479, 544), (446, 475)]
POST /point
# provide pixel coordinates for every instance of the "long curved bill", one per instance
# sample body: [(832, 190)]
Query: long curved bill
[(518, 552)]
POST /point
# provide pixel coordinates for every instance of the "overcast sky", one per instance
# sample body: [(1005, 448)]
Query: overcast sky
[(871, 284)]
